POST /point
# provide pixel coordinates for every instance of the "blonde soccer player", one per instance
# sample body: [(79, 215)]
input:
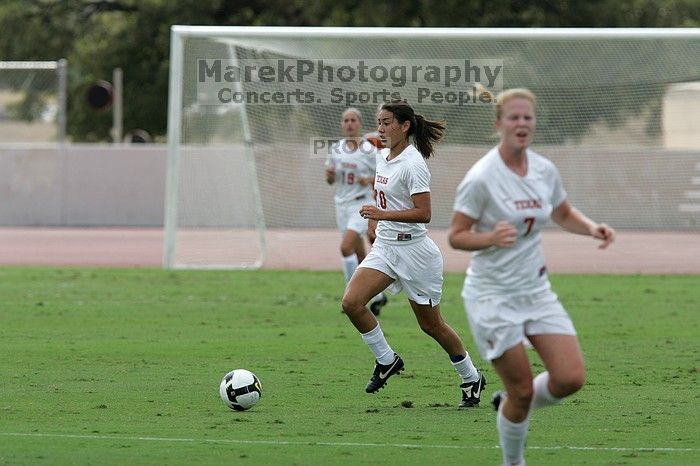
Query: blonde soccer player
[(403, 256), (350, 166), (500, 207)]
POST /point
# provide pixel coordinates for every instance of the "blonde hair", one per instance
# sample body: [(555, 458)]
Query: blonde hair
[(510, 94), (352, 110)]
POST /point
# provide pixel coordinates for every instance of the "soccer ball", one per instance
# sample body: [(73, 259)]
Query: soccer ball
[(240, 389)]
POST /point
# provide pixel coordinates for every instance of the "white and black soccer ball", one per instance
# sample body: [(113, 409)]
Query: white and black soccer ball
[(240, 389)]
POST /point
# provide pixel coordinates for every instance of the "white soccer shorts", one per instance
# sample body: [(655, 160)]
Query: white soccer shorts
[(416, 267), (347, 216), (499, 323)]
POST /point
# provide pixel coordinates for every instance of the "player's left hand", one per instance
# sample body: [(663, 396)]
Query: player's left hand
[(604, 233), (371, 212)]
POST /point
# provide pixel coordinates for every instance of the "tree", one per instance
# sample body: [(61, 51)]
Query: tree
[(97, 36)]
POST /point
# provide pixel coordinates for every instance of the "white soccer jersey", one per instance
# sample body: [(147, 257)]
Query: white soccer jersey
[(394, 184), (350, 166), (491, 192)]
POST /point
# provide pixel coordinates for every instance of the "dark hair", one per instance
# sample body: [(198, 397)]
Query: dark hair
[(425, 132)]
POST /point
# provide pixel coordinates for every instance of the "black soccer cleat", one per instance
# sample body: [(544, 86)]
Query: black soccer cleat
[(471, 392), (377, 305), (497, 398), (382, 373)]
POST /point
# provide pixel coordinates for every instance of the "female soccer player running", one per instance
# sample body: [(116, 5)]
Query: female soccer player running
[(501, 204), (403, 256), (351, 165)]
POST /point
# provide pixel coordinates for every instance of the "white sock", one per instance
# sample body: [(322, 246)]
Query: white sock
[(512, 436), (379, 297), (466, 370), (349, 266), (541, 396), (379, 346)]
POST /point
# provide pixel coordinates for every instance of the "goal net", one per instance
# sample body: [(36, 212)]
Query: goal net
[(252, 113), (32, 101)]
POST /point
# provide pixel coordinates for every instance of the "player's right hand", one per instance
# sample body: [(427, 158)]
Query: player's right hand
[(330, 175), (371, 212), (604, 233), (503, 235)]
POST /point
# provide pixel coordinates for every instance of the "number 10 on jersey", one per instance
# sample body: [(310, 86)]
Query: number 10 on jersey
[(381, 199)]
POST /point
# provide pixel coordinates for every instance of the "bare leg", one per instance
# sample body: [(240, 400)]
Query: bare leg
[(352, 243), (563, 360), (365, 284), (353, 251), (431, 322), (512, 419), (513, 367)]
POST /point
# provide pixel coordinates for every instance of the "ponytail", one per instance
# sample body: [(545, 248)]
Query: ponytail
[(425, 132)]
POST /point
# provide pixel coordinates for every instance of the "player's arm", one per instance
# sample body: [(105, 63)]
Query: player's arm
[(371, 231), (420, 213), (367, 180), (461, 235), (330, 167), (573, 220)]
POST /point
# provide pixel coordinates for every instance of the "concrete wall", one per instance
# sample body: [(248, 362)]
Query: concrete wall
[(81, 185), (681, 118), (100, 185)]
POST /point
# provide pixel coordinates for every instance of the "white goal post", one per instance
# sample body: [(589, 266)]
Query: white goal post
[(252, 112)]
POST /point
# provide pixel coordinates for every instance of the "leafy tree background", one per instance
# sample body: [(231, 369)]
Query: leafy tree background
[(97, 36)]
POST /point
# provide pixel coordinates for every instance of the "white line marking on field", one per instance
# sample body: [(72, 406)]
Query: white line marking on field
[(332, 444)]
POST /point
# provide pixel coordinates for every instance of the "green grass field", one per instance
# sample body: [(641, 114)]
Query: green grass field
[(117, 366)]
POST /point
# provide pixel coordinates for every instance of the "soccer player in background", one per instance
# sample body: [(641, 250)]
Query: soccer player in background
[(403, 256), (350, 165), (500, 207)]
